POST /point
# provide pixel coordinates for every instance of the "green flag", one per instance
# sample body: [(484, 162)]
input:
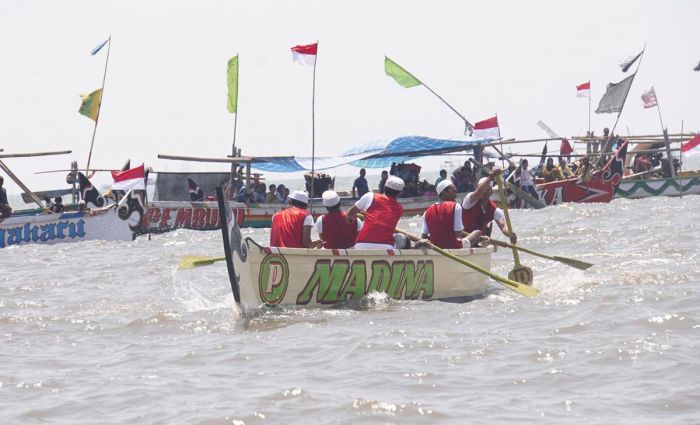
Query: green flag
[(232, 80), (90, 105), (400, 75)]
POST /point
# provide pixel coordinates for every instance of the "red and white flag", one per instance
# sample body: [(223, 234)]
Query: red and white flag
[(305, 55), (487, 129), (130, 179), (691, 147), (649, 98), (583, 90)]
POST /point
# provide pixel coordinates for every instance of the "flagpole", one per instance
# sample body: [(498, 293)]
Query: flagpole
[(500, 138), (468, 124), (145, 200), (589, 108), (234, 153), (680, 181), (313, 133), (99, 106), (610, 135)]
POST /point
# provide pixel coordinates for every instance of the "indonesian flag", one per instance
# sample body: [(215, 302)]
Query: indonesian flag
[(487, 129), (583, 90), (691, 147), (129, 179), (305, 55), (649, 98)]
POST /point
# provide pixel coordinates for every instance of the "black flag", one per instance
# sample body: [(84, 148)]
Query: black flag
[(196, 193), (626, 65), (88, 193), (544, 154), (697, 68)]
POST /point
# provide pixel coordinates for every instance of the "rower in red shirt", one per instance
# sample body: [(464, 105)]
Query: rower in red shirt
[(442, 221), (332, 228), (478, 210), (291, 227), (382, 214)]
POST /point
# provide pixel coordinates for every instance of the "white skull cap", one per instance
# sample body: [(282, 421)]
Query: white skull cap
[(394, 182), (330, 198), (300, 196)]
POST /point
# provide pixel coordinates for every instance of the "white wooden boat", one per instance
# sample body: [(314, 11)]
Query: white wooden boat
[(101, 224), (262, 276)]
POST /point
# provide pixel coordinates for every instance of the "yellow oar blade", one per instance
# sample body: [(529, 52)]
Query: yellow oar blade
[(581, 265), (193, 261)]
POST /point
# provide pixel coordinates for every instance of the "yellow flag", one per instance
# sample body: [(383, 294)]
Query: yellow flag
[(90, 106)]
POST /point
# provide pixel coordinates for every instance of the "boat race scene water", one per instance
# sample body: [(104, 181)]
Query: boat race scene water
[(426, 212)]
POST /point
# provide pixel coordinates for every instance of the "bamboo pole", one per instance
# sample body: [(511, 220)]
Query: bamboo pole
[(26, 190), (313, 133), (99, 107), (27, 155)]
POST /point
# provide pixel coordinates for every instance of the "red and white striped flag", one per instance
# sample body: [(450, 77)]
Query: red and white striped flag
[(129, 179), (583, 90), (691, 147), (487, 129), (305, 55), (649, 98)]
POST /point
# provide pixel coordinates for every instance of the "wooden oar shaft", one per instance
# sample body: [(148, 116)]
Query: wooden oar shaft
[(581, 265), (525, 290), (504, 204)]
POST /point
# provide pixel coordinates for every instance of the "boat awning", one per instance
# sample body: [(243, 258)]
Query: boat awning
[(376, 154)]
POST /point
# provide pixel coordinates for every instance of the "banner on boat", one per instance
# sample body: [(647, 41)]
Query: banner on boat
[(61, 228), (195, 217), (336, 281)]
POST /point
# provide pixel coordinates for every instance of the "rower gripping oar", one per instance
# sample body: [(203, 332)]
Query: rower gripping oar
[(193, 261), (525, 290), (519, 273)]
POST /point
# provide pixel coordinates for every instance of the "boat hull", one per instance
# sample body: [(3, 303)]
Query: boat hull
[(324, 278), (646, 188), (105, 224)]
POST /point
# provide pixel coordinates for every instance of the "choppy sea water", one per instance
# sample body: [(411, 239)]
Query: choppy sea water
[(111, 333)]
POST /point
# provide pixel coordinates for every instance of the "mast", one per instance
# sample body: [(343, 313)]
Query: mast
[(99, 106)]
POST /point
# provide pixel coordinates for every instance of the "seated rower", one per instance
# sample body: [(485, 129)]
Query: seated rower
[(382, 214), (442, 221), (5, 209), (291, 227), (332, 228), (478, 210)]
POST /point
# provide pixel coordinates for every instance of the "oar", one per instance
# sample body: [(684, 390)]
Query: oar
[(525, 290), (519, 273), (193, 261), (581, 265)]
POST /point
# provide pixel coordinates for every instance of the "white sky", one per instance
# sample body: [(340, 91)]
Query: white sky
[(166, 84)]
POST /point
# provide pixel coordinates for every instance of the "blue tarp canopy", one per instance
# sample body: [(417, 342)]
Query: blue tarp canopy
[(377, 154)]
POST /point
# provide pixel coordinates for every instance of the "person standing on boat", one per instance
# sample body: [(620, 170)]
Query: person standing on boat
[(441, 177), (291, 227), (5, 210), (382, 214), (332, 228), (442, 221), (478, 210), (526, 179), (360, 184), (382, 181)]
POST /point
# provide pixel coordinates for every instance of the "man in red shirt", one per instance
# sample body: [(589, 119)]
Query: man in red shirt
[(291, 227), (478, 210), (442, 221), (332, 228), (382, 214)]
